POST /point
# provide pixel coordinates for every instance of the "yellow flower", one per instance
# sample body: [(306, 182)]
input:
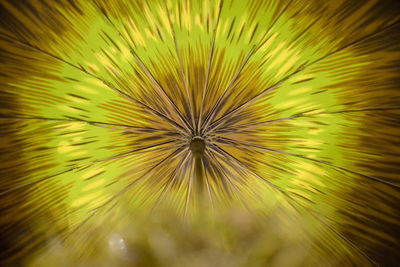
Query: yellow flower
[(111, 110)]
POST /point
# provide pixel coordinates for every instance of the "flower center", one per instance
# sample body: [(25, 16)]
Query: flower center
[(197, 146)]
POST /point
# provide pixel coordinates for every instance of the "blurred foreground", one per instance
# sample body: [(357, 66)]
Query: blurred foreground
[(231, 237)]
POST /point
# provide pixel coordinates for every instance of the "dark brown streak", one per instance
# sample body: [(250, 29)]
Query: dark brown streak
[(301, 115), (263, 148), (213, 170), (155, 112), (245, 168), (125, 189), (93, 123), (35, 181), (172, 155), (235, 188), (124, 154), (273, 24), (189, 188), (207, 183), (83, 165), (147, 72), (183, 76), (286, 194), (224, 173), (301, 69), (317, 216), (210, 57), (170, 180), (257, 47), (129, 97), (151, 77), (244, 128), (171, 134), (220, 100)]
